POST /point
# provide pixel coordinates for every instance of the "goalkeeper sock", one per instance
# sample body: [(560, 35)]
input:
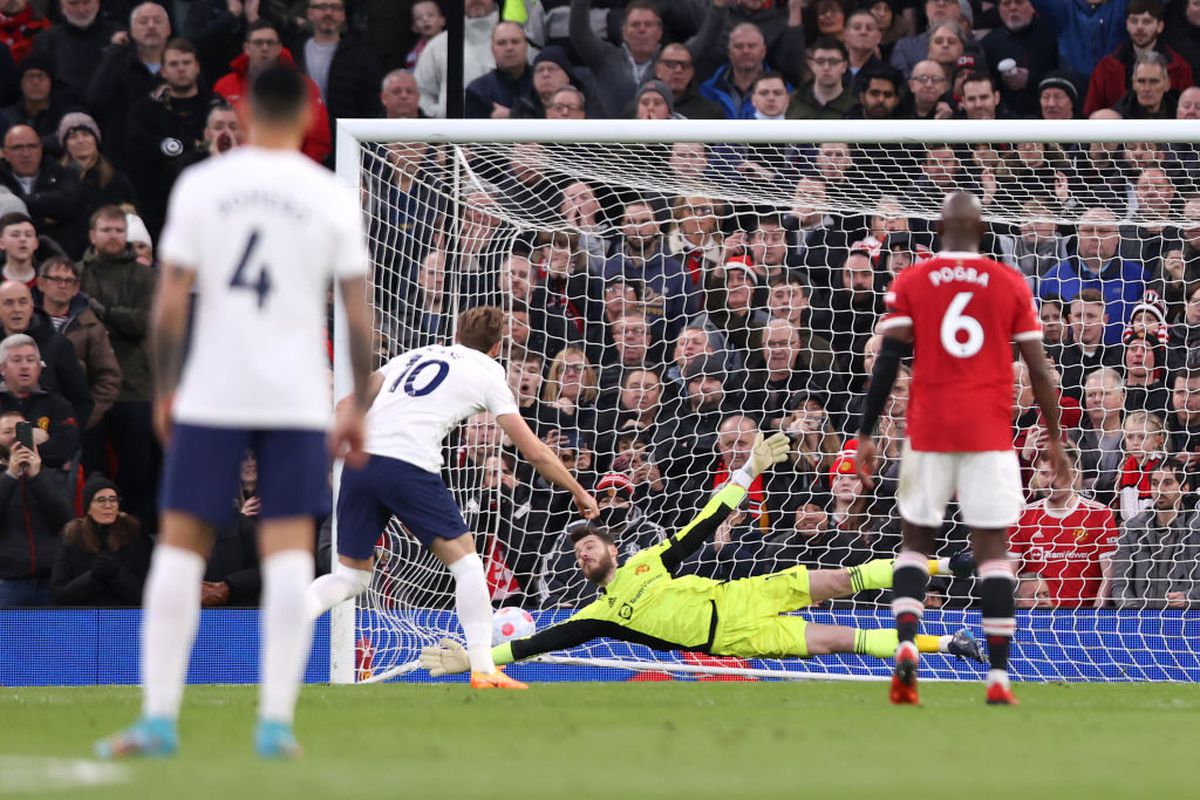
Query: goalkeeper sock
[(910, 577), (996, 603), (286, 632), (474, 611), (882, 642), (328, 590), (169, 622), (877, 574)]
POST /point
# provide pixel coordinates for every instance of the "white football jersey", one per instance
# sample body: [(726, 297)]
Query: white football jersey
[(265, 232), (426, 393)]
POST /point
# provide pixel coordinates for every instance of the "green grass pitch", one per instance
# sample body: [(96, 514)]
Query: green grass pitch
[(689, 740)]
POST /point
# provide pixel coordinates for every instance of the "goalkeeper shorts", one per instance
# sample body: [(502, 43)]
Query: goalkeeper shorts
[(750, 616), (369, 497)]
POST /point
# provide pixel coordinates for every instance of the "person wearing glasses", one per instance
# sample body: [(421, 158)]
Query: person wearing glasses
[(263, 48), (70, 313), (825, 96), (104, 556)]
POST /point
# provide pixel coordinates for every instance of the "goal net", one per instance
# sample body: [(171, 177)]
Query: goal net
[(671, 288)]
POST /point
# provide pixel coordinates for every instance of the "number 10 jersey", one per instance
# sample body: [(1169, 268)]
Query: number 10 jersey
[(426, 393), (264, 231), (965, 312)]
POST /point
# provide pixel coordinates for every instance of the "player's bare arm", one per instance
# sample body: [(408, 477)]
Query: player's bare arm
[(168, 329), (546, 462), (346, 436), (1045, 393), (897, 345)]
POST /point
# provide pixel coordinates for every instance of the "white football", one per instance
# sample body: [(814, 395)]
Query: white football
[(511, 623)]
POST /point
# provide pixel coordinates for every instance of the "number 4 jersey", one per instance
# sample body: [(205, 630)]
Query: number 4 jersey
[(965, 312), (426, 393), (264, 231)]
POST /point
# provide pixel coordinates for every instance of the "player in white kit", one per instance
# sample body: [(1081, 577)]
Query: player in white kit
[(418, 398), (258, 234)]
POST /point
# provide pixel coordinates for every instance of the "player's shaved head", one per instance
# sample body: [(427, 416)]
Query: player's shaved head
[(279, 97), (961, 225)]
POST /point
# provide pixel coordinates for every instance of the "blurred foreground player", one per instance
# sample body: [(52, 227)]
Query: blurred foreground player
[(959, 313), (415, 400), (259, 234)]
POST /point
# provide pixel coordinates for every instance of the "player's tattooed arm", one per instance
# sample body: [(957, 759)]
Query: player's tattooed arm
[(358, 327), (168, 327)]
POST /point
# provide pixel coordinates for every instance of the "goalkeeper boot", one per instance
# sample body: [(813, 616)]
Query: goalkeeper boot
[(494, 680), (275, 740), (904, 678), (151, 737), (1000, 693), (964, 645)]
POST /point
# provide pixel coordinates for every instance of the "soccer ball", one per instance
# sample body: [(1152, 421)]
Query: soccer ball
[(511, 623)]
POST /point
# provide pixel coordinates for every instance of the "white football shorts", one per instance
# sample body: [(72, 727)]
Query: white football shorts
[(987, 484)]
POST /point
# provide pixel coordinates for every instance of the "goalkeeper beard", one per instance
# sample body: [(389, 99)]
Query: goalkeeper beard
[(597, 568)]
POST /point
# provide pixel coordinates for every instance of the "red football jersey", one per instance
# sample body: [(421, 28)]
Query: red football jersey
[(965, 312), (1066, 550)]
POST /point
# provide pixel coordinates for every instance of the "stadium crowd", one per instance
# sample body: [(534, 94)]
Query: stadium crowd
[(651, 334)]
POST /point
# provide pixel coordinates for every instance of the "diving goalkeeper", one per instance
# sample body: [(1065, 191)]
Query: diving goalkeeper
[(645, 602)]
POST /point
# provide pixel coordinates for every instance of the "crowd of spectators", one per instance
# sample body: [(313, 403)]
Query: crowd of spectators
[(651, 334)]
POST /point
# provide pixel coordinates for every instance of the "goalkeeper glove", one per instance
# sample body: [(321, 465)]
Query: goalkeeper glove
[(447, 657), (766, 453)]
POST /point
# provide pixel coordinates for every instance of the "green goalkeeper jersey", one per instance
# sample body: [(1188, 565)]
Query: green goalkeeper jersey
[(645, 603)]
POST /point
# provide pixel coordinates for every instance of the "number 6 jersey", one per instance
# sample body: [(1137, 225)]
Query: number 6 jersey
[(265, 231), (965, 312), (426, 393)]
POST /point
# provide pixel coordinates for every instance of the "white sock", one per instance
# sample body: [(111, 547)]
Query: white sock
[(286, 632), (328, 590), (944, 643), (474, 611), (171, 604), (997, 676), (943, 566)]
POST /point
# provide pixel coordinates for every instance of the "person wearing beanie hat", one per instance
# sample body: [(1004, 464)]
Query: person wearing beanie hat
[(40, 105), (551, 72), (1145, 361), (76, 120), (654, 101), (100, 183), (104, 557), (1058, 95), (139, 239)]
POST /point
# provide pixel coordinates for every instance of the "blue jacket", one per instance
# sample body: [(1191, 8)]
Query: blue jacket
[(665, 297), (495, 87), (1086, 33), (720, 90), (1121, 283)]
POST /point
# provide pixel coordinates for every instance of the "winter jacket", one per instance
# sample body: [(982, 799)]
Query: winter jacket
[(78, 581), (352, 89), (61, 370), (1111, 78), (123, 291), (234, 561), (75, 52), (477, 60), (161, 131), (55, 204), (665, 288), (317, 141), (94, 350), (1086, 32), (495, 87), (32, 512), (1035, 48), (52, 413), (1152, 560), (805, 105), (120, 80)]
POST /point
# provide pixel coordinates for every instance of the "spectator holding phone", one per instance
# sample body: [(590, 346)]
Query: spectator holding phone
[(104, 556), (33, 509), (232, 576)]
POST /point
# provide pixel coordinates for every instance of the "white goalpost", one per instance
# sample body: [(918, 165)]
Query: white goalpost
[(669, 284)]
